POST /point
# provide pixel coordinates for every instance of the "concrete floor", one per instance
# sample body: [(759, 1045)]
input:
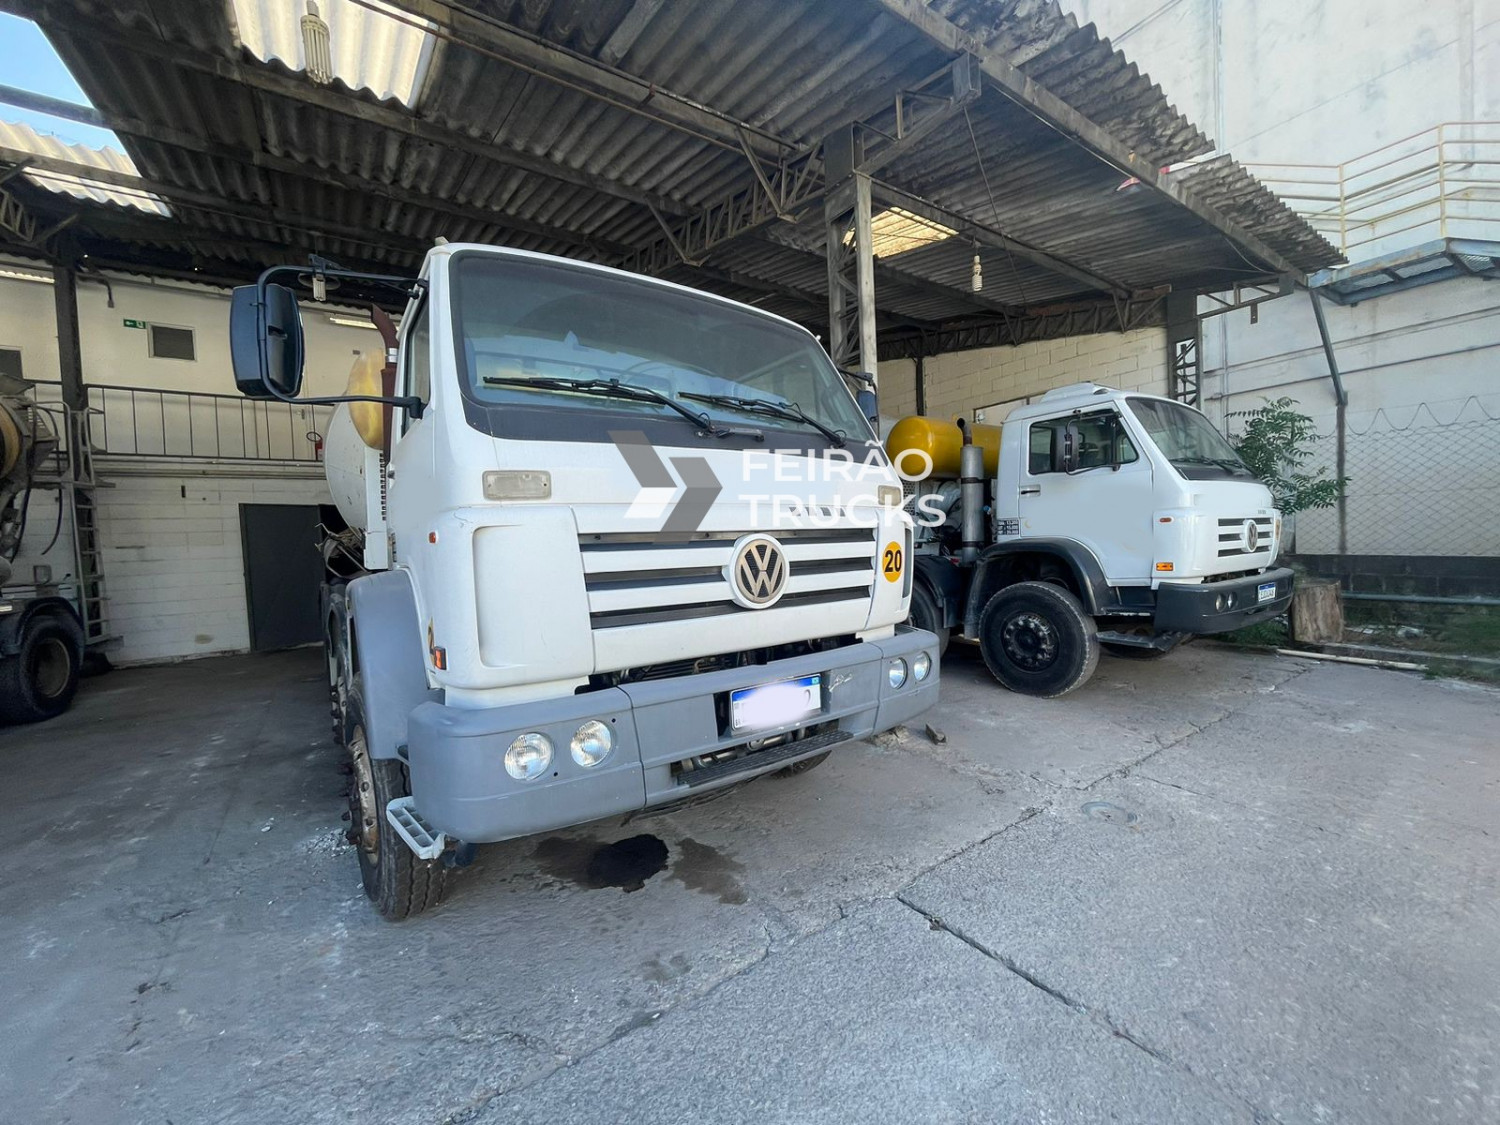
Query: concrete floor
[(1220, 887)]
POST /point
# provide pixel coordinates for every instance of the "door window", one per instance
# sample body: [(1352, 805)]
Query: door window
[(1102, 442)]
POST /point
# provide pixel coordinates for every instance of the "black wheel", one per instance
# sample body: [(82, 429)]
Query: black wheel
[(1037, 639), (925, 615), (39, 682), (1133, 652), (397, 882), (804, 765)]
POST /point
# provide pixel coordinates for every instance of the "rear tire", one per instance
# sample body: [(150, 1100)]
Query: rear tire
[(1037, 640), (396, 881), (39, 682), (925, 614)]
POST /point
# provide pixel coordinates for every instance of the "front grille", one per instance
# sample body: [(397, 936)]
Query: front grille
[(1232, 536), (636, 579)]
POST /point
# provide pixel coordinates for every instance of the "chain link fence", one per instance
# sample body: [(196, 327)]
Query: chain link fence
[(1423, 481)]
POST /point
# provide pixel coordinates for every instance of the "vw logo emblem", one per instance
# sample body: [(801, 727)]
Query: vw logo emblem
[(1252, 535), (757, 572)]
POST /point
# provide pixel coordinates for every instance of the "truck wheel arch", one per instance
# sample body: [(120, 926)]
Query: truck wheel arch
[(13, 625), (1065, 561), (385, 652)]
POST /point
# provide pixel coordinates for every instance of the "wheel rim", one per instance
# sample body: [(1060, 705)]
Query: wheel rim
[(364, 832), (1029, 640), (50, 663)]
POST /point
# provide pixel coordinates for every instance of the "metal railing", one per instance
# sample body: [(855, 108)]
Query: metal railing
[(1443, 182), (145, 422)]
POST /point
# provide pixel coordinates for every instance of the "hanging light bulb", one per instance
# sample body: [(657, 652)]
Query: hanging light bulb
[(316, 49), (976, 278)]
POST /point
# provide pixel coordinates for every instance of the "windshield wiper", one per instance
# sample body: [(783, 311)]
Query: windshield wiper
[(771, 408), (611, 388), (1225, 463)]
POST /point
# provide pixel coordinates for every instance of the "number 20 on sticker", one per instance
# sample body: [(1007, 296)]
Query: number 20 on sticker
[(890, 562)]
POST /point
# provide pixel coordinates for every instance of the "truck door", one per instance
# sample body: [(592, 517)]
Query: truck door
[(1105, 502)]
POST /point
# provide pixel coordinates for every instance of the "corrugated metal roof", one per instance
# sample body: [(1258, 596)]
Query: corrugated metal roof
[(26, 139), (493, 151), (376, 47)]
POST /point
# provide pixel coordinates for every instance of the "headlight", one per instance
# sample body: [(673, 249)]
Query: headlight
[(529, 756), (896, 672), (890, 496), (920, 666), (592, 743)]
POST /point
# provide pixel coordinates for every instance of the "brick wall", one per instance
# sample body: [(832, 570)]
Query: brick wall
[(961, 382), (173, 561)]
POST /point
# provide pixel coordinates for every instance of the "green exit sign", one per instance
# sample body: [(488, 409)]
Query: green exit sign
[(134, 323)]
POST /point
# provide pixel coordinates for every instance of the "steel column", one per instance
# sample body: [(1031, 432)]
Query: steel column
[(847, 249), (1184, 348)]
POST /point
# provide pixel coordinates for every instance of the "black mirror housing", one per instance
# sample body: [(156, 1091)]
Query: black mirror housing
[(265, 341), (868, 404), (1065, 454)]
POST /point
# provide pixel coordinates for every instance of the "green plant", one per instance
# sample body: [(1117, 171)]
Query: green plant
[(1275, 442)]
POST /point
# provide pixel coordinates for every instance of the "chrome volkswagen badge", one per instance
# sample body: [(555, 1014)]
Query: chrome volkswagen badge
[(757, 572), (1252, 535)]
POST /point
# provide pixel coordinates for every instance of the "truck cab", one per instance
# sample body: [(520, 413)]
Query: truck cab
[(1112, 519), (621, 544)]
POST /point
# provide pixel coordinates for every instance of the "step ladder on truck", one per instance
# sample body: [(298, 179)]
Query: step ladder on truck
[(1091, 519)]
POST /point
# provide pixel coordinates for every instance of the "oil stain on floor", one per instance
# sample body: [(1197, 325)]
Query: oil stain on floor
[(628, 864)]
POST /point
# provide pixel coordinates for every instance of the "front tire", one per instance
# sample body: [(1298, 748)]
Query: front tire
[(1038, 640), (925, 614), (396, 881), (39, 681)]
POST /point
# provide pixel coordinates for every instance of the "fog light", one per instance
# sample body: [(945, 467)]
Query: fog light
[(529, 756), (921, 664), (592, 743), (896, 672), (1218, 603)]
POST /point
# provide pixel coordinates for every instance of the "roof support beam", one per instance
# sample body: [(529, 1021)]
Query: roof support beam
[(1056, 113), (474, 30), (67, 19), (797, 184), (176, 138), (989, 236), (205, 201)]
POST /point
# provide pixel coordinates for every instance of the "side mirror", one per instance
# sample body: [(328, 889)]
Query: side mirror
[(869, 405), (265, 341), (1065, 453)]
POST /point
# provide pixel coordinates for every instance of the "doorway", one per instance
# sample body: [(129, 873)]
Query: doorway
[(283, 574)]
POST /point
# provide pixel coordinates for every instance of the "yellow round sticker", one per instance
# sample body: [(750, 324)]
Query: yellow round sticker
[(890, 562)]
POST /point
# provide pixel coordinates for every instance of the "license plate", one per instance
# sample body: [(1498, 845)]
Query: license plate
[(775, 705), (1265, 592)]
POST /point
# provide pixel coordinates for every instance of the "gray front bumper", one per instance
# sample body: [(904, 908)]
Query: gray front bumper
[(456, 756)]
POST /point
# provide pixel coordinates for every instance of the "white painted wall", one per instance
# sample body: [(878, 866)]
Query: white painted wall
[(173, 559), (170, 529), (1322, 81), (117, 355), (960, 384)]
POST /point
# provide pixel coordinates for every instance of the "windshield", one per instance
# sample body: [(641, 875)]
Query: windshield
[(523, 325), (1188, 440)]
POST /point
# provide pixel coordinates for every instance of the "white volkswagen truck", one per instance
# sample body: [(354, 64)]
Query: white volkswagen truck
[(613, 544), (1094, 518)]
